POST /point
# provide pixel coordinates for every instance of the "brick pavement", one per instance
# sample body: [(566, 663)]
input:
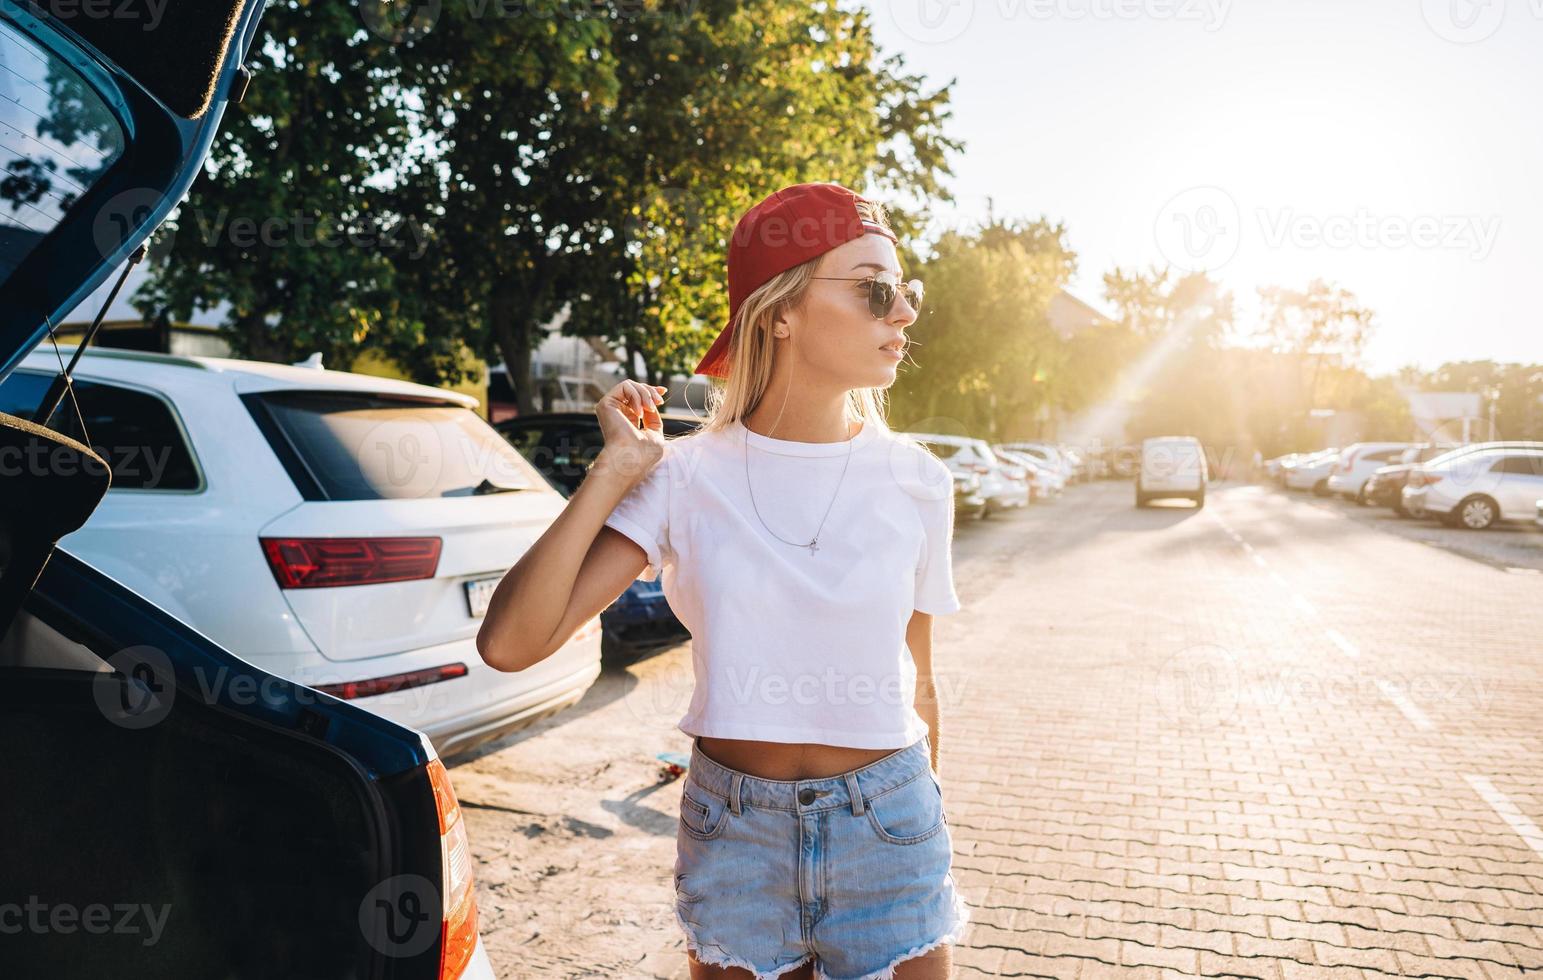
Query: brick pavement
[(1257, 740)]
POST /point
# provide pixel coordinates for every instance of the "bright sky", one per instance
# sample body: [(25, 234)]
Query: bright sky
[(1391, 146)]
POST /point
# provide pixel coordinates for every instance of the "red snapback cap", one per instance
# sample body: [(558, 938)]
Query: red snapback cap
[(790, 227)]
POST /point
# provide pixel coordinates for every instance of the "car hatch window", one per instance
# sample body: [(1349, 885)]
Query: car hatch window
[(135, 431), (57, 137)]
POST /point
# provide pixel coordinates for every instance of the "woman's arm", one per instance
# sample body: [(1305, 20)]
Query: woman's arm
[(918, 637), (579, 566)]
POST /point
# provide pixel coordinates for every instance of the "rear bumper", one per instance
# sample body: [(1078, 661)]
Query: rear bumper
[(463, 712), (1343, 483), (1424, 500)]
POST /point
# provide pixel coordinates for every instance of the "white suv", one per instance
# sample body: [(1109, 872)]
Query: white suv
[(340, 530)]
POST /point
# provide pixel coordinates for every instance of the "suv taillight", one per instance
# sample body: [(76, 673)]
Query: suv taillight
[(458, 939), (313, 563)]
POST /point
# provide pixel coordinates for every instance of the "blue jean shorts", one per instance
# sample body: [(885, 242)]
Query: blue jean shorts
[(853, 871)]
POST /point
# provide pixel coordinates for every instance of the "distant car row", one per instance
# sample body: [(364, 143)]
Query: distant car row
[(1472, 486)]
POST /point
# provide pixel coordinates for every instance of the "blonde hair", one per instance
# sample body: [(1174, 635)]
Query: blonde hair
[(754, 348)]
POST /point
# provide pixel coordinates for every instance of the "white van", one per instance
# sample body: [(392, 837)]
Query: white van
[(1171, 466)]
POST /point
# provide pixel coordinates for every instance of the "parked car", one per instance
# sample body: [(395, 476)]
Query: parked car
[(561, 446), (1357, 462), (1476, 490), (1045, 483), (1412, 497), (1078, 464), (1049, 455), (359, 525), (1311, 471), (1384, 488), (1171, 466), (1020, 475), (965, 455), (269, 829), (969, 502)]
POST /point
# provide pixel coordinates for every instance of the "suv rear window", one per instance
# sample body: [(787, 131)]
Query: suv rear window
[(360, 446)]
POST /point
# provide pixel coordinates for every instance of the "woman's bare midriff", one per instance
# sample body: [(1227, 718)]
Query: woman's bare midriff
[(788, 760)]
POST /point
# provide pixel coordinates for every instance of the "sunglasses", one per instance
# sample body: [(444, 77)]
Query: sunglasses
[(882, 291)]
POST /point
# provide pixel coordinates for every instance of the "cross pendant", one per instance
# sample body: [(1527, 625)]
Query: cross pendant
[(814, 546)]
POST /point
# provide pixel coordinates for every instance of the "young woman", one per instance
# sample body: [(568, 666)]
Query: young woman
[(806, 547)]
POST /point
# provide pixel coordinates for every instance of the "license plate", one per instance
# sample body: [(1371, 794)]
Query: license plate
[(479, 592)]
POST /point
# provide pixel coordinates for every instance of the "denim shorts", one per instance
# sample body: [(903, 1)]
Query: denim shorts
[(853, 871)]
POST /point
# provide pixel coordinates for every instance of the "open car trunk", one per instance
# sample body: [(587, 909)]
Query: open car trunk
[(173, 812), (215, 851)]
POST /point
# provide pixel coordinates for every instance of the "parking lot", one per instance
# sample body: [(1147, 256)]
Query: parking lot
[(1277, 737)]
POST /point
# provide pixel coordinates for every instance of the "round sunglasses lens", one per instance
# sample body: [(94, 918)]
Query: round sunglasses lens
[(881, 296)]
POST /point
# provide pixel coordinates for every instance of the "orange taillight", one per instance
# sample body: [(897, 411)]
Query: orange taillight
[(459, 936)]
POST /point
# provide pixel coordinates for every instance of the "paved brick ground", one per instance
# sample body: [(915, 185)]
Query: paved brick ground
[(1263, 740)]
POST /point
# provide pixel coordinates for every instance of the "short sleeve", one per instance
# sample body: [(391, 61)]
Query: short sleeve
[(643, 515), (935, 573)]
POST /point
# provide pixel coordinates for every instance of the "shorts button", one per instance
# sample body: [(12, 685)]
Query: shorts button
[(806, 796)]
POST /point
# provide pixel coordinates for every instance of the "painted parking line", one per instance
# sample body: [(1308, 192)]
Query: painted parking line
[(1345, 646), (1401, 701), (1300, 601), (1508, 811)]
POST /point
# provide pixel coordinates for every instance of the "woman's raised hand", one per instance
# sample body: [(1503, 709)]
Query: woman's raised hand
[(632, 449)]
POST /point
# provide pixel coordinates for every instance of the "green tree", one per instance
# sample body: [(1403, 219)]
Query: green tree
[(289, 222), (617, 201), (988, 355)]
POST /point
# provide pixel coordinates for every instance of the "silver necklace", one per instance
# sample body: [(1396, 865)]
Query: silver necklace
[(813, 544)]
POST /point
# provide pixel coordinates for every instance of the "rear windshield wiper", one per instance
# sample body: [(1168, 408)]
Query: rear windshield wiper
[(488, 486)]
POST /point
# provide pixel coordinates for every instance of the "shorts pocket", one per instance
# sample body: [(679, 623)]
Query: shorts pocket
[(703, 814), (908, 814)]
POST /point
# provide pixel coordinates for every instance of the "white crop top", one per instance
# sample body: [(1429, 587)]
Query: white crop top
[(789, 646)]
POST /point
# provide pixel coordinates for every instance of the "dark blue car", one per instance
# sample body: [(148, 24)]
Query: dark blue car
[(170, 810), (562, 445)]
